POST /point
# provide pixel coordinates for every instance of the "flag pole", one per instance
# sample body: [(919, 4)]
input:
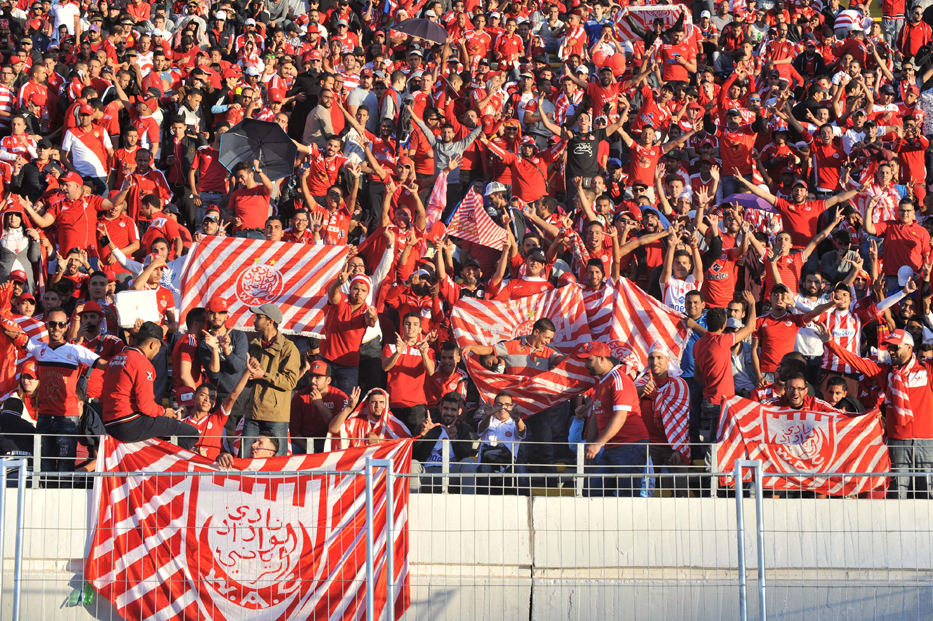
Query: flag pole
[(370, 587)]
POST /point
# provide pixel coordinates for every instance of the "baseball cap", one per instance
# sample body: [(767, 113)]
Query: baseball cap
[(899, 337), (913, 89), (343, 22), (593, 348), (211, 215), (904, 274), (253, 71), (366, 73), (536, 254), (92, 307), (220, 15), (217, 305), (232, 72), (315, 55), (705, 14), (19, 276), (494, 187), (250, 22), (887, 89), (614, 162), (73, 177), (405, 161), (268, 310), (780, 289), (471, 262), (320, 367), (276, 95), (582, 69), (28, 296), (734, 324), (800, 182), (528, 141), (16, 59), (416, 51), (30, 369), (85, 109)]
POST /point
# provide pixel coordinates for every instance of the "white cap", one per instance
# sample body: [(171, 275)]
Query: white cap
[(220, 15), (156, 32), (904, 274), (430, 13), (252, 71), (250, 22), (494, 14), (494, 187), (582, 69), (856, 26), (705, 14)]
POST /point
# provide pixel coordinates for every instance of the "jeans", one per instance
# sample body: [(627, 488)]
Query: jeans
[(344, 378), (148, 427), (412, 417), (538, 448), (730, 186), (59, 442), (626, 459), (910, 456), (890, 28), (252, 428), (814, 364)]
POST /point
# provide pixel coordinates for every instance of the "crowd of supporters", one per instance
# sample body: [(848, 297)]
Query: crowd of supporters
[(760, 167)]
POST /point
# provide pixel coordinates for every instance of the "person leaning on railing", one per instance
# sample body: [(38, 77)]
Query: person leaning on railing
[(130, 410)]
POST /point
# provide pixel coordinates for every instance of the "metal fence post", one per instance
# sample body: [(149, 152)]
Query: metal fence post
[(3, 467), (370, 552), (20, 525), (445, 466), (740, 532), (759, 510), (390, 541), (581, 463)]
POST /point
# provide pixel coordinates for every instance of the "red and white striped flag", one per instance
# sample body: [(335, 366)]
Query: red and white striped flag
[(639, 321), (644, 16), (437, 202), (261, 544), (481, 322), (251, 272), (471, 223), (599, 305), (801, 443), (672, 407)]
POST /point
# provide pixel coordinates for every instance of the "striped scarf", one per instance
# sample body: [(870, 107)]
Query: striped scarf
[(898, 393)]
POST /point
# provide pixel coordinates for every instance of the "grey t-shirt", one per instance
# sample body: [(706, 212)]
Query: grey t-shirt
[(359, 96)]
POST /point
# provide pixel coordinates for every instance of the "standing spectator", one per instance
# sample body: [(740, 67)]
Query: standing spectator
[(274, 364), (447, 377), (86, 149), (313, 407), (249, 204), (345, 326), (222, 352), (913, 35), (906, 243), (409, 363)]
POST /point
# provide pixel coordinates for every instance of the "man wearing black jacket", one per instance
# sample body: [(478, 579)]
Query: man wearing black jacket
[(428, 448), (32, 180)]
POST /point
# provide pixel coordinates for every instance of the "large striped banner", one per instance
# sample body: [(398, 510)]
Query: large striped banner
[(644, 16), (470, 222), (482, 322), (801, 444), (252, 272), (176, 537), (639, 321)]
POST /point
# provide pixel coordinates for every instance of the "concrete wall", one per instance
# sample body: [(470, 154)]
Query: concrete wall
[(480, 557)]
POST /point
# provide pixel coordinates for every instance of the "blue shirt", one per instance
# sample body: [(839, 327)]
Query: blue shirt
[(686, 361)]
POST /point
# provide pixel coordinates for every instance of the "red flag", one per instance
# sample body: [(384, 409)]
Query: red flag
[(638, 321), (251, 272), (481, 322), (437, 202), (599, 305), (472, 223), (800, 442), (234, 545)]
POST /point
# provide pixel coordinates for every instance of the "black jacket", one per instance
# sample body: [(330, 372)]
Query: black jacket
[(462, 449)]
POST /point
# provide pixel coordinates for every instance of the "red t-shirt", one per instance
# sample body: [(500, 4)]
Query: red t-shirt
[(306, 421), (186, 349), (76, 222), (405, 381), (789, 267), (344, 330), (436, 386), (211, 430), (128, 386), (643, 163), (800, 220), (616, 393), (110, 346), (672, 70), (251, 206), (161, 226), (521, 288), (324, 171), (776, 336), (712, 359), (214, 176), (903, 245)]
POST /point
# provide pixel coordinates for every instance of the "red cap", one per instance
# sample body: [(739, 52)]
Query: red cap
[(217, 305), (19, 276), (71, 176), (16, 59), (232, 72), (366, 73), (92, 307), (593, 349), (85, 109), (276, 95), (319, 367), (529, 141), (111, 276), (29, 368), (899, 337), (913, 89), (315, 55), (800, 182), (489, 122), (405, 161), (152, 102), (25, 295)]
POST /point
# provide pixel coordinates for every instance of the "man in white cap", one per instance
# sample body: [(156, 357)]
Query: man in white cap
[(665, 408)]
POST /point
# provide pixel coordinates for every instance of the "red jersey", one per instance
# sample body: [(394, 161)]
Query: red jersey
[(128, 387), (251, 206), (324, 171), (673, 70), (59, 369), (211, 431), (789, 267), (344, 330), (104, 346), (800, 220), (76, 222), (306, 420), (616, 393), (521, 288), (712, 359), (719, 281), (186, 349), (643, 164), (828, 159), (776, 336), (214, 176), (735, 148), (405, 381), (903, 245), (438, 385)]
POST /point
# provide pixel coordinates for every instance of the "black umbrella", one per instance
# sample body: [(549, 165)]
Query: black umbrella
[(267, 142), (423, 29)]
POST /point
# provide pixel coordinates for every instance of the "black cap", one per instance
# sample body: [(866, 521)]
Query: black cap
[(171, 208), (471, 262), (44, 144), (887, 89), (536, 254), (780, 289)]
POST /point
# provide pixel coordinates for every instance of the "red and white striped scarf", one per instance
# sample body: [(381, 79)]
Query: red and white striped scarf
[(672, 404), (898, 393), (563, 103)]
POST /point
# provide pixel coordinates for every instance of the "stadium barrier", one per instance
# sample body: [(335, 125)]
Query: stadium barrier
[(539, 544)]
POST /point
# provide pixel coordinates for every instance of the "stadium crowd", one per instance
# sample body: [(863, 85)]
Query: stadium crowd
[(760, 167)]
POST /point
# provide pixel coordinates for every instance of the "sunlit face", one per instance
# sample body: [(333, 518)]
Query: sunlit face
[(658, 363), (796, 390), (262, 447), (377, 405)]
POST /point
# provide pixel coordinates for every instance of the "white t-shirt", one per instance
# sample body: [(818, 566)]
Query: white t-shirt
[(675, 291), (504, 432)]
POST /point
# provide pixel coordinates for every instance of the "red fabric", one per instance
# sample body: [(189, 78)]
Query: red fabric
[(251, 206), (776, 335), (344, 330), (903, 245), (615, 392), (128, 386), (406, 379), (712, 360), (306, 421)]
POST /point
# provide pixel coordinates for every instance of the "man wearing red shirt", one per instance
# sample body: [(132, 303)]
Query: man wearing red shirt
[(905, 241), (209, 421), (529, 170), (145, 180), (76, 215), (478, 42), (344, 329), (509, 47), (186, 367), (777, 332), (531, 283), (447, 378), (679, 59), (130, 410), (908, 382), (314, 406), (712, 363), (621, 447), (91, 335), (325, 168), (910, 152), (249, 203), (212, 184), (409, 362), (160, 226), (646, 154), (914, 34), (780, 53)]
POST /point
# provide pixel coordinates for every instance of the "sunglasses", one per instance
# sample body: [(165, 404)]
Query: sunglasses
[(57, 324)]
